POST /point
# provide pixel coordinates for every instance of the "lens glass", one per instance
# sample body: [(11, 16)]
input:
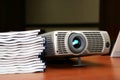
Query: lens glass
[(76, 42)]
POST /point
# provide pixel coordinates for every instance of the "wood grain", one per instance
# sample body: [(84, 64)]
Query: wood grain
[(97, 68)]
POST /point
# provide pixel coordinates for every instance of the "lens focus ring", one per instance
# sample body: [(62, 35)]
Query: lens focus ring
[(76, 43)]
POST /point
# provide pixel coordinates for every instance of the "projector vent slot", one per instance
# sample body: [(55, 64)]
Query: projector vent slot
[(49, 44), (95, 41), (61, 42)]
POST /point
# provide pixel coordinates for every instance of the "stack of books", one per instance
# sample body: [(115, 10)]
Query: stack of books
[(21, 51)]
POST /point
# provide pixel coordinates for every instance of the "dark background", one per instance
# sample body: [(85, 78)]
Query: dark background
[(12, 17)]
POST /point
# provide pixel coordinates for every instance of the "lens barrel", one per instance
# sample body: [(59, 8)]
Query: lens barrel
[(76, 43)]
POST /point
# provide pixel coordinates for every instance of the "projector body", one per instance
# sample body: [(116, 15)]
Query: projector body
[(76, 43)]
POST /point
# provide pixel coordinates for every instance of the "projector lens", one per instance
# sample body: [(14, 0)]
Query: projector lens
[(76, 42)]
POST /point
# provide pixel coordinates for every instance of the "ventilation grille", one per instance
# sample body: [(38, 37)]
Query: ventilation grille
[(95, 41), (49, 45), (61, 42)]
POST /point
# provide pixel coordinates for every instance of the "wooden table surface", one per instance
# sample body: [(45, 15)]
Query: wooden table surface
[(97, 68)]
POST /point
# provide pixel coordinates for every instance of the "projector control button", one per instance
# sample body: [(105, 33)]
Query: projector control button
[(107, 44)]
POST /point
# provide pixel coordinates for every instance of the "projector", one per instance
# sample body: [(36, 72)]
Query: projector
[(76, 43)]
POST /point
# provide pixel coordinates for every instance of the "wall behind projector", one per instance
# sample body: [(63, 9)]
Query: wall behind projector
[(62, 11)]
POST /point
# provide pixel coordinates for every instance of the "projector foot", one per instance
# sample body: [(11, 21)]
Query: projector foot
[(79, 63)]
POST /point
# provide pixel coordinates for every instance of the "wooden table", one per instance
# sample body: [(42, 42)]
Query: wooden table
[(97, 68)]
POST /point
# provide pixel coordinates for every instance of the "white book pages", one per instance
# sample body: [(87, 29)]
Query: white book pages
[(13, 35), (19, 32), (22, 63), (23, 51), (21, 46), (23, 60), (15, 70), (25, 39), (20, 51), (20, 59), (20, 43), (22, 39), (14, 66)]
